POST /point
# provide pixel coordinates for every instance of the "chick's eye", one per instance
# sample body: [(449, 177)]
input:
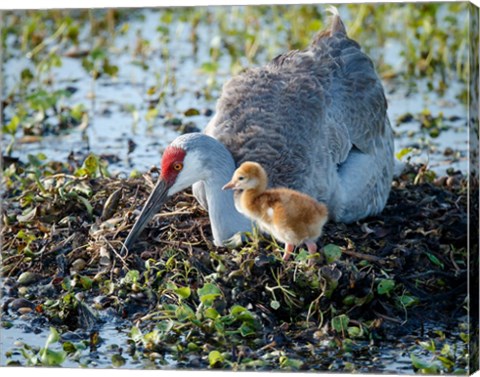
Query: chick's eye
[(240, 178), (178, 166)]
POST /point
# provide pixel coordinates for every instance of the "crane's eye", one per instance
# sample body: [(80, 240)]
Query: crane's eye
[(241, 178), (178, 166)]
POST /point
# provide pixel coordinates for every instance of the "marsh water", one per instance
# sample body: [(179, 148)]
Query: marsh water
[(170, 72), (166, 80)]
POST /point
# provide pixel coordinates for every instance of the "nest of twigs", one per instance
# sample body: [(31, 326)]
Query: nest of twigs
[(419, 241), (402, 267)]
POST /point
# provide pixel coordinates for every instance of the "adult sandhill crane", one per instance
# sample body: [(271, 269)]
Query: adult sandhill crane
[(315, 119)]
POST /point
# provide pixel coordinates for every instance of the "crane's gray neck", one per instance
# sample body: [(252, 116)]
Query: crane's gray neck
[(217, 167), (225, 220)]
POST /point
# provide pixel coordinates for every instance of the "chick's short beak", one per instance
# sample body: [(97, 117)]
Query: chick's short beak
[(154, 202), (229, 185)]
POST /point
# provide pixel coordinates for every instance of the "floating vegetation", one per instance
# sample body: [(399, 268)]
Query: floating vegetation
[(241, 37), (209, 307)]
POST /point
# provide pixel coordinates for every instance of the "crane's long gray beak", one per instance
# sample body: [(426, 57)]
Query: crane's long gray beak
[(151, 207)]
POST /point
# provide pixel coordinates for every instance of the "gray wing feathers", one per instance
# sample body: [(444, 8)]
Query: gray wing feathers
[(274, 118), (355, 94), (301, 115), (332, 85)]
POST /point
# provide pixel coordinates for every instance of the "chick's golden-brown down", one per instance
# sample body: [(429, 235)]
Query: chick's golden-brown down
[(290, 216)]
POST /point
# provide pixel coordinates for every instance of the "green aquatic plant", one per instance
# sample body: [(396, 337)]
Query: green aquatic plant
[(196, 312), (97, 62), (92, 167), (443, 356), (46, 356)]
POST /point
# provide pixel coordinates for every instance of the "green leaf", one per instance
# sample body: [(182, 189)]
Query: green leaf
[(407, 301), (26, 75), (91, 164), (183, 292), (349, 300), (191, 112), (429, 346), (86, 203), (81, 172), (302, 256), (36, 160), (465, 337), (211, 313), (52, 358), (118, 360), (11, 127), (435, 260), (447, 363), (49, 357), (192, 347), (152, 337), (53, 337), (354, 331), (423, 366), (131, 276), (215, 358), (109, 69), (86, 282), (241, 313), (247, 329), (385, 286), (98, 54), (332, 252), (220, 326), (286, 362), (135, 174), (88, 65), (77, 111), (340, 323), (403, 152), (22, 235), (446, 349), (165, 326), (136, 334), (184, 313), (69, 347), (208, 293), (210, 67), (151, 114), (418, 363), (67, 283)]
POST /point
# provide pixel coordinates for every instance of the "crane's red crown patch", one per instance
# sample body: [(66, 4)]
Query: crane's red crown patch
[(171, 156)]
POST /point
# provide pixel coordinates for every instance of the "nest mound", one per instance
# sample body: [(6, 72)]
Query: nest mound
[(392, 271)]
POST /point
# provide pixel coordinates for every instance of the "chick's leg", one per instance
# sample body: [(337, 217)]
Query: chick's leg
[(311, 246), (288, 250), (312, 249)]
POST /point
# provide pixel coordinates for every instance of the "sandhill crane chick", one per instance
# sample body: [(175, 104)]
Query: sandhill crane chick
[(289, 216)]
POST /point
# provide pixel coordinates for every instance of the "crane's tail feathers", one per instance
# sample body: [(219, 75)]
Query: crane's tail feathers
[(332, 10), (336, 23)]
